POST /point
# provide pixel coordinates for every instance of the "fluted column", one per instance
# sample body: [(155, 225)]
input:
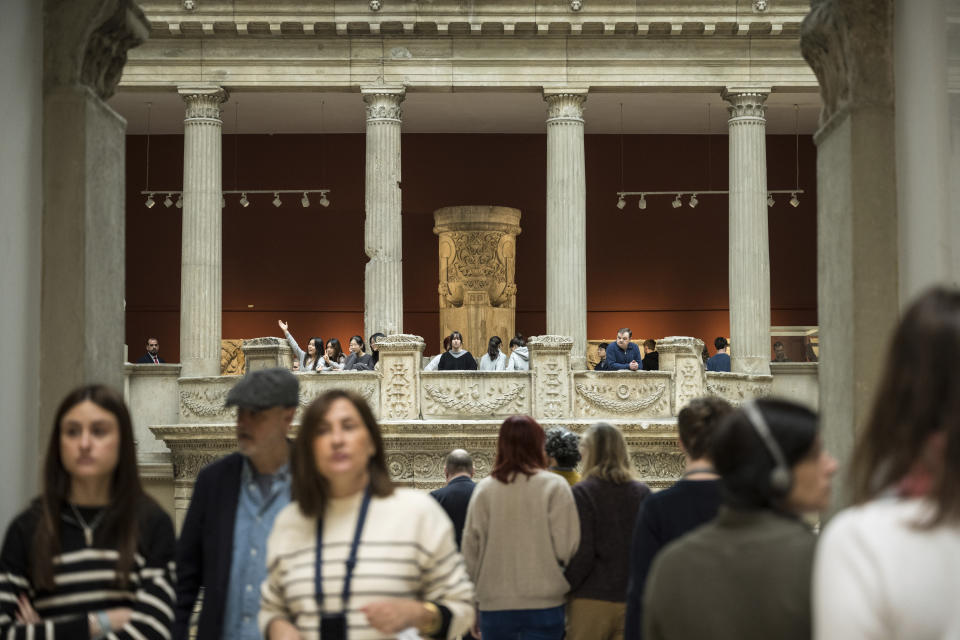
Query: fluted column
[(201, 256), (566, 221), (382, 233), (749, 246)]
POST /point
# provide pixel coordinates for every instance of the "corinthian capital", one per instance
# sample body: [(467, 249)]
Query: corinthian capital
[(203, 101), (565, 105), (383, 103), (746, 103), (849, 45)]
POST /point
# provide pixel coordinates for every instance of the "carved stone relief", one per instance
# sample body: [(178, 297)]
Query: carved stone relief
[(622, 396), (447, 395), (738, 388), (658, 464), (398, 391)]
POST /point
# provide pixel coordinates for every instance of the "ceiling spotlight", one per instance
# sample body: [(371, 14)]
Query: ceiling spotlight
[(693, 201), (643, 201), (794, 200), (770, 200), (621, 203), (243, 200), (276, 199), (150, 201), (179, 201), (676, 202), (168, 201), (324, 202), (305, 201)]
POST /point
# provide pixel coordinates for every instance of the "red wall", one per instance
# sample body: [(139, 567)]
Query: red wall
[(662, 271)]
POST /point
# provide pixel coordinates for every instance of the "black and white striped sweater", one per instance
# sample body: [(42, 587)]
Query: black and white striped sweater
[(85, 579)]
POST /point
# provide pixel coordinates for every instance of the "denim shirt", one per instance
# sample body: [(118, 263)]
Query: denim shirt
[(248, 566)]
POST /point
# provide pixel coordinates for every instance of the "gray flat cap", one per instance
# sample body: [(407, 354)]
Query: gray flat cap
[(265, 389)]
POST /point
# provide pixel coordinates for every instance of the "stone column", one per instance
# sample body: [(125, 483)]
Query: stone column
[(748, 243), (849, 45), (400, 358), (922, 113), (201, 257), (566, 220), (552, 378), (383, 232)]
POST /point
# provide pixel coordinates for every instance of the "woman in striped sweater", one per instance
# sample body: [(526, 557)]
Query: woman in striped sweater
[(352, 556), (92, 557)]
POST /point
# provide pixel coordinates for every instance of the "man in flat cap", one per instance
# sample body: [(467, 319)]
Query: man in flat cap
[(223, 544)]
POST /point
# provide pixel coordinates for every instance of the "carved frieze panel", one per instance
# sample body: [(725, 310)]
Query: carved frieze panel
[(474, 394), (624, 395), (202, 400), (313, 385), (737, 388), (552, 387), (398, 393), (661, 465)]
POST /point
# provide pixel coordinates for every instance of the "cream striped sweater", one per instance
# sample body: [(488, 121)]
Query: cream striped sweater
[(407, 550)]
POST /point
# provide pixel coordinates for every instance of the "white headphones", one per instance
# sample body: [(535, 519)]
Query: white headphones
[(780, 477)]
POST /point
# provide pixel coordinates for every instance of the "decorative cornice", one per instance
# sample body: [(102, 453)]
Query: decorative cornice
[(203, 103), (565, 106), (849, 46), (680, 344), (400, 342), (548, 343), (86, 42)]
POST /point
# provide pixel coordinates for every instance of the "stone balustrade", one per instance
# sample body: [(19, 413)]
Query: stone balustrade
[(426, 414)]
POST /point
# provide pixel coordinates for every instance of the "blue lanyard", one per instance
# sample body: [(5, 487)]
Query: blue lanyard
[(351, 559)]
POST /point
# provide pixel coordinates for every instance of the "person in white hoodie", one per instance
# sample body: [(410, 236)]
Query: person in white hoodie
[(493, 359), (519, 356)]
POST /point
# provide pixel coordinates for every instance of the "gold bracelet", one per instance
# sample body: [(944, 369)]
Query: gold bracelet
[(437, 620)]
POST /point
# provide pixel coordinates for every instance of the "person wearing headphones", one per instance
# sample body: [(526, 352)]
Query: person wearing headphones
[(752, 564)]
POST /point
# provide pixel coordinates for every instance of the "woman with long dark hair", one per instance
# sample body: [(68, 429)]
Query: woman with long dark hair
[(608, 498), (521, 530), (747, 573), (308, 360), (457, 358), (353, 556), (93, 555), (332, 358), (357, 360), (889, 566), (493, 359)]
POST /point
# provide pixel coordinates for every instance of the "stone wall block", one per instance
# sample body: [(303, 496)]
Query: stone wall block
[(681, 355), (266, 353), (551, 376), (400, 357)]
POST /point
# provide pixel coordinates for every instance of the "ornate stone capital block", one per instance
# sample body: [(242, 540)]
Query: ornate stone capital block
[(747, 104), (550, 367), (681, 355), (400, 356), (203, 103), (266, 353), (565, 106), (383, 103)]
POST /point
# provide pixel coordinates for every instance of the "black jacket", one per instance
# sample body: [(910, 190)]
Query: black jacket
[(148, 359), (454, 498), (205, 548)]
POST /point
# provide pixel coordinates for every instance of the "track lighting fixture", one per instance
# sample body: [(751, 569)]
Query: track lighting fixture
[(794, 200), (643, 201), (179, 201), (694, 197), (276, 199), (693, 201), (324, 202), (168, 201), (621, 203), (770, 200), (305, 201), (150, 201), (243, 200), (676, 202)]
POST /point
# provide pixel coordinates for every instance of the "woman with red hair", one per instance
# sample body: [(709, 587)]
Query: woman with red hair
[(522, 529)]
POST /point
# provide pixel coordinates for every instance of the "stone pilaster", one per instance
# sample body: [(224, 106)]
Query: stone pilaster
[(748, 244), (383, 282), (201, 256), (552, 378), (566, 221), (400, 358), (681, 355), (849, 45)]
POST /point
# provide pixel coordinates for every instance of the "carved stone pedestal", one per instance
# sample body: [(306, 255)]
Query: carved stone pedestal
[(266, 353), (681, 355), (477, 267), (400, 356), (550, 366)]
